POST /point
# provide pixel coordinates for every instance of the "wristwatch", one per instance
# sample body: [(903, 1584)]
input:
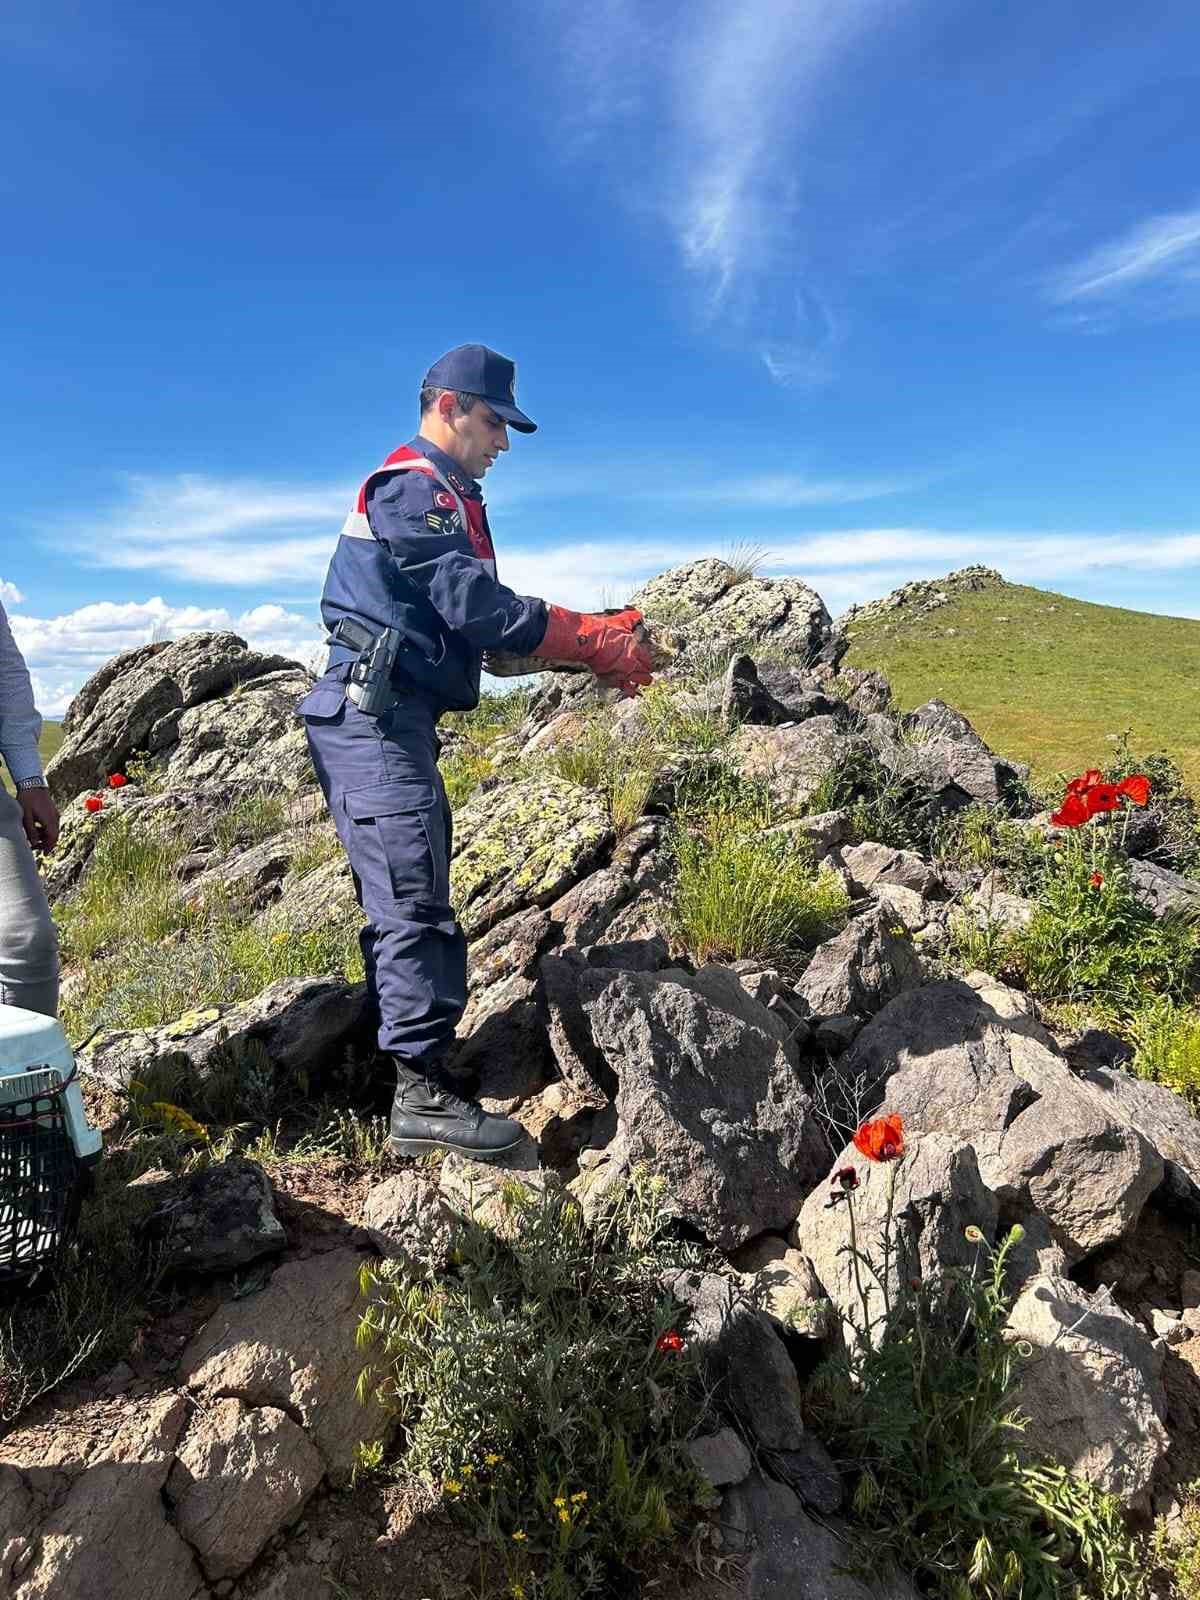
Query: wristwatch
[(31, 783)]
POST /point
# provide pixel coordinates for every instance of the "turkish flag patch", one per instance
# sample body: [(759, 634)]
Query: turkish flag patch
[(446, 501)]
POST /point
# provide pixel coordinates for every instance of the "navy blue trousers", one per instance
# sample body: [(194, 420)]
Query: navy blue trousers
[(385, 794)]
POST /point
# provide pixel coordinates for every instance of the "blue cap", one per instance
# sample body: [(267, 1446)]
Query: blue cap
[(474, 369)]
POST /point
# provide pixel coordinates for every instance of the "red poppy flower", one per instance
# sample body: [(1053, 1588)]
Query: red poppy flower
[(1072, 812), (881, 1140), (1089, 781), (669, 1343), (1097, 880), (846, 1178), (1136, 787), (117, 780), (1102, 797), (93, 803)]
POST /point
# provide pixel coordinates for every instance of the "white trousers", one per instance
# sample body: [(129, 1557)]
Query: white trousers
[(28, 938)]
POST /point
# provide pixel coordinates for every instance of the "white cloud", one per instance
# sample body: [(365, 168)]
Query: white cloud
[(197, 529), (10, 595), (1162, 251), (733, 99), (61, 652)]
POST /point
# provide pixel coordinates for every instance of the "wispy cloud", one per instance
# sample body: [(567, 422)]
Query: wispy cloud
[(731, 95), (1160, 253), (10, 595), (240, 532), (788, 491)]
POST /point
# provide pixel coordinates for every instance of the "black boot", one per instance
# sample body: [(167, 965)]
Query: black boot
[(428, 1115)]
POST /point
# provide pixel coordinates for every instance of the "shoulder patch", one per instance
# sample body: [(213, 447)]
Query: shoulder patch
[(443, 521), (446, 501)]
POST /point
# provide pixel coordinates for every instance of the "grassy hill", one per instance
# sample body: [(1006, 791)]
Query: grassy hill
[(1044, 678), (52, 737)]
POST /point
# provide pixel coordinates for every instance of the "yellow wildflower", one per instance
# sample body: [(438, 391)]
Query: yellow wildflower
[(564, 1515), (517, 1590), (560, 1501), (492, 1459), (519, 1535), (580, 1498), (468, 1471), (279, 938), (452, 1486)]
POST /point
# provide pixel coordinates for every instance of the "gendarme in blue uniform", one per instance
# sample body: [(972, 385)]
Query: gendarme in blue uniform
[(425, 573)]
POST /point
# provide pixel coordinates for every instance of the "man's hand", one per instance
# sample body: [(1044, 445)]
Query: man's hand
[(39, 815), (617, 656)]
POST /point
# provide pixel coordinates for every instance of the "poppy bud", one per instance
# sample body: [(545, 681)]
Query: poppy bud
[(93, 803)]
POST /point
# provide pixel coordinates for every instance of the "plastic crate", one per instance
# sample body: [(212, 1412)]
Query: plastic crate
[(46, 1144)]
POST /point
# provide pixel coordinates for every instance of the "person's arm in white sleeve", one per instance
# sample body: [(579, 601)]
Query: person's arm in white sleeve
[(20, 725)]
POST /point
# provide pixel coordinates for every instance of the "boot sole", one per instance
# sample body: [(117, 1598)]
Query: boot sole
[(420, 1147)]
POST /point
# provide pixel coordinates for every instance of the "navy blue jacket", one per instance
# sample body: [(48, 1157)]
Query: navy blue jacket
[(422, 574)]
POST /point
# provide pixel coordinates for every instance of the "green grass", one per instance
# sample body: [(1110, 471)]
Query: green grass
[(52, 737), (1053, 682)]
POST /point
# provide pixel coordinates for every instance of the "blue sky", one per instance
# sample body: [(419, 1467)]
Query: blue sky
[(881, 286)]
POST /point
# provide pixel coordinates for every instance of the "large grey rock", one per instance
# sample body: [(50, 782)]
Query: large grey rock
[(707, 1097), (789, 1555), (976, 1063), (216, 1220), (791, 762), (1164, 1118), (294, 1026), (1163, 891), (1092, 1388), (96, 1527), (954, 1059), (523, 845), (934, 1193), (1085, 1174), (319, 898), (240, 1475), (858, 971), (137, 701), (720, 1458), (292, 1346), (408, 1220), (870, 864), (771, 697), (951, 760), (682, 593), (251, 735), (742, 1357), (791, 1291)]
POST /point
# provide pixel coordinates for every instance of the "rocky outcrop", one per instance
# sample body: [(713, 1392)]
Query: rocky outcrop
[(178, 703), (524, 845), (215, 1220), (1091, 1386), (707, 1096), (290, 1031), (707, 605), (292, 1347), (859, 970)]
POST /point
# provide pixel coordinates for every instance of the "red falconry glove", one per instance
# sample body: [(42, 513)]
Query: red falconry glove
[(606, 644)]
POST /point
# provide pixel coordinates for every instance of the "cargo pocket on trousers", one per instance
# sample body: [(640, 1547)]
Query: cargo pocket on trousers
[(407, 819), (321, 704)]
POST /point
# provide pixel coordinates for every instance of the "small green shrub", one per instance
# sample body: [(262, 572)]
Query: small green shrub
[(1168, 830), (143, 984), (1174, 1549), (1089, 938), (624, 772), (743, 893), (532, 1394), (1166, 1040), (254, 815), (675, 727), (982, 838), (470, 736), (883, 806), (129, 892), (919, 1412)]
